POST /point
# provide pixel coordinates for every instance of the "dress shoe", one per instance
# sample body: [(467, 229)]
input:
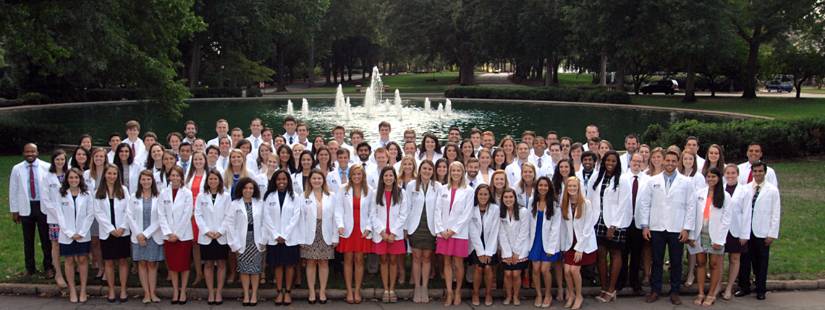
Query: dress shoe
[(741, 293), (760, 296), (652, 297), (675, 299)]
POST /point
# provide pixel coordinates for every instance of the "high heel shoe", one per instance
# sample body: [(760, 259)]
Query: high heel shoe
[(709, 301)]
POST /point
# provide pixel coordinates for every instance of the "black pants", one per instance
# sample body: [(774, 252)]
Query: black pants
[(755, 258), (632, 259), (660, 239), (36, 219)]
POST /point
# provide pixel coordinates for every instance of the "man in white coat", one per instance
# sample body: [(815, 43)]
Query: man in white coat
[(754, 155), (24, 203), (513, 170), (667, 216), (632, 183), (764, 230)]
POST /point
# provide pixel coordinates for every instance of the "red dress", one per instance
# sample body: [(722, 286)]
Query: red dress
[(396, 247), (178, 254), (355, 243), (195, 191)]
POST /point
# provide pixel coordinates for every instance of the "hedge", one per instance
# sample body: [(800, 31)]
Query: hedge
[(540, 93), (16, 133), (779, 138)]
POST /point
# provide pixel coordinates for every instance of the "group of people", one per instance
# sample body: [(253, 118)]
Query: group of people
[(539, 210)]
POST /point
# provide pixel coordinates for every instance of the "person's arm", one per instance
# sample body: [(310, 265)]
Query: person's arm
[(776, 205), (747, 213), (524, 233), (163, 220), (463, 214), (102, 216), (555, 224), (690, 208), (643, 205), (475, 232), (130, 218), (495, 230), (88, 203), (442, 201), (62, 223), (200, 220), (14, 188), (725, 222), (504, 239)]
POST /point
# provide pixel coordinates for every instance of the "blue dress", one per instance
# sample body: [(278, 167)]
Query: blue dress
[(537, 250)]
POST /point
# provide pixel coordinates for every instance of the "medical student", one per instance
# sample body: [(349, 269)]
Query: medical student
[(175, 213), (111, 202), (578, 238), (388, 218), (637, 251), (147, 239), (514, 238), (740, 226), (766, 207), (98, 163), (246, 236), (300, 179), (452, 216), (514, 169), (352, 217), (53, 182), (75, 212), (688, 168), (611, 229), (429, 149), (545, 226), (421, 197), (318, 233), (211, 208), (484, 231), (707, 240), (754, 154), (282, 216)]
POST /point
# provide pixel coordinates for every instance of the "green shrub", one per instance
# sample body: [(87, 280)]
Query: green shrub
[(215, 92), (253, 91), (17, 133), (540, 93), (779, 138), (114, 94), (33, 98)]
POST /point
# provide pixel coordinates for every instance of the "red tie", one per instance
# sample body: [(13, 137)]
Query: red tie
[(32, 191), (133, 149), (635, 189), (750, 176)]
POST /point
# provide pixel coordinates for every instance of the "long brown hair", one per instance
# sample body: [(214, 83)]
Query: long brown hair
[(64, 188), (395, 191), (418, 179), (154, 189), (565, 200), (720, 164), (307, 190), (102, 187)]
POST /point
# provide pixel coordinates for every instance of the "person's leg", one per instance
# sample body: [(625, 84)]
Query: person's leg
[(548, 284), (558, 271), (279, 283), (58, 271), (760, 265), (43, 232), (426, 267), (254, 281), (536, 275), (577, 283), (97, 256), (415, 275), (601, 265), (28, 225), (477, 271), (675, 249), (715, 277), (184, 282), (109, 267), (358, 261), (489, 280), (196, 261), (393, 268), (448, 279), (175, 276), (384, 266), (69, 262), (616, 264), (209, 278), (221, 279), (568, 278), (289, 275), (232, 267), (152, 277), (124, 277), (508, 286), (83, 270), (400, 267), (143, 276), (647, 260), (245, 287), (633, 259), (323, 276), (733, 272), (657, 266), (691, 274), (458, 264), (348, 276), (312, 267), (516, 287), (744, 275), (701, 261)]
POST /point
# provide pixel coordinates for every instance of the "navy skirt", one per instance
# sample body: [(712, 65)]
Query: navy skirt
[(74, 249)]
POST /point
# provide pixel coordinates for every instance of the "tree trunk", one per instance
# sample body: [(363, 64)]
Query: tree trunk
[(311, 63), (548, 77), (195, 62), (798, 85), (690, 84), (556, 64), (712, 85), (751, 66), (620, 77), (603, 70)]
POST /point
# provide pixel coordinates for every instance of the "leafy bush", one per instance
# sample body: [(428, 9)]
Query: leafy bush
[(779, 138), (215, 92), (18, 133), (113, 94), (540, 93), (33, 98)]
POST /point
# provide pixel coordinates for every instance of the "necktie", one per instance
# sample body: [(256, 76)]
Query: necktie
[(32, 190), (471, 183), (755, 195), (133, 149), (185, 166), (635, 190), (290, 140), (750, 175), (257, 142), (539, 162), (112, 212)]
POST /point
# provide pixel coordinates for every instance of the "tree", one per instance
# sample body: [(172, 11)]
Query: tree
[(759, 22)]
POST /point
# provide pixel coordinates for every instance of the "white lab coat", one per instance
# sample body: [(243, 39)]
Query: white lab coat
[(50, 197), (74, 217), (91, 182), (397, 217), (513, 172), (626, 189), (718, 223), (550, 229), (309, 214), (523, 199), (176, 216), (582, 228), (489, 225), (200, 184), (19, 186), (345, 215), (745, 170), (134, 213), (514, 236), (103, 215), (415, 200), (766, 211), (298, 183), (282, 221), (210, 216), (457, 217), (614, 212), (668, 210), (740, 212), (134, 176), (237, 221)]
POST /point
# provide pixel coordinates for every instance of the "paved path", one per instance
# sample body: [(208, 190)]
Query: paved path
[(778, 300)]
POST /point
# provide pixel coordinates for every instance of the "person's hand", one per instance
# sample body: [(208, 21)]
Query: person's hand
[(743, 242), (768, 241), (15, 217), (646, 233), (76, 237), (485, 259), (692, 243), (578, 257), (367, 234), (391, 237), (141, 239), (341, 231), (280, 240), (450, 233), (717, 246), (683, 236), (121, 231), (115, 233), (173, 237), (610, 232)]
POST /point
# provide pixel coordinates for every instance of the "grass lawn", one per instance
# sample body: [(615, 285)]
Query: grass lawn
[(813, 90), (796, 255), (780, 108)]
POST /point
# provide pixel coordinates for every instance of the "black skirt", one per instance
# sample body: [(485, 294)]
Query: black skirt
[(74, 249), (732, 245), (214, 251), (474, 260), (281, 255), (116, 247), (516, 266), (619, 236)]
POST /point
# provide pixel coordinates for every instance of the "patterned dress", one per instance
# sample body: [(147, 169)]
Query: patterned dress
[(152, 252), (250, 261), (318, 249)]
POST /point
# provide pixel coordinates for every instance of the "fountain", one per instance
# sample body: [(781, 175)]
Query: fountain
[(304, 107), (448, 107), (427, 105), (440, 110), (387, 105), (397, 100), (348, 109), (339, 99), (369, 102), (290, 110)]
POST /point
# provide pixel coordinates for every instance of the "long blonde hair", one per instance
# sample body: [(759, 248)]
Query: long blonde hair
[(565, 200), (228, 176), (463, 182), (496, 194), (364, 187), (401, 174)]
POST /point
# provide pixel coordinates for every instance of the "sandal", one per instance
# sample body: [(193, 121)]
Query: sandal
[(393, 297), (709, 301), (385, 298), (698, 300)]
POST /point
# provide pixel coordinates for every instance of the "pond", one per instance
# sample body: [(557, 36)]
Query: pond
[(503, 118)]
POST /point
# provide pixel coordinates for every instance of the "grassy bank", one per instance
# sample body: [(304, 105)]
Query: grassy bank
[(797, 255), (780, 108)]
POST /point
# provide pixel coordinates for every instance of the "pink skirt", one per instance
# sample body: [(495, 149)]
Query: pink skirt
[(452, 247), (396, 247)]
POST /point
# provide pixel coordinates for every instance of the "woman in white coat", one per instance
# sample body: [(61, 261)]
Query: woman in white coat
[(244, 225), (421, 197), (578, 239), (317, 233), (75, 213), (147, 239), (111, 202), (688, 167), (452, 217), (611, 229), (545, 225), (740, 209), (195, 182), (175, 213), (91, 177), (324, 163), (300, 179), (388, 219), (211, 209), (53, 182), (282, 217), (128, 165), (484, 231), (710, 234), (352, 217), (514, 241)]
